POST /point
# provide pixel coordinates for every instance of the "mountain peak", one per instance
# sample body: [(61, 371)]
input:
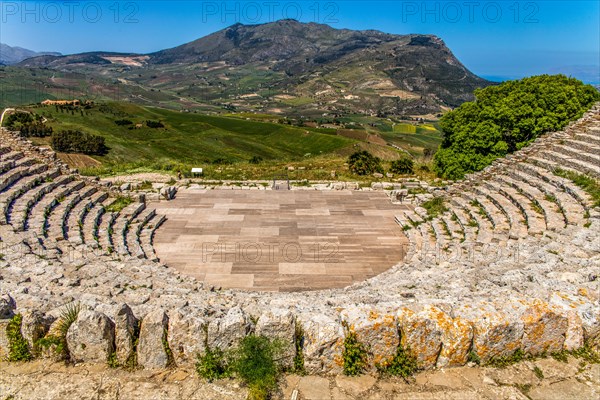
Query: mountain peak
[(14, 54)]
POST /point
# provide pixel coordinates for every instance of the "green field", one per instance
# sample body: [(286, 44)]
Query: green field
[(190, 137)]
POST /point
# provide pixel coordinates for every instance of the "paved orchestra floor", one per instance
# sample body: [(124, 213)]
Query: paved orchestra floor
[(279, 240)]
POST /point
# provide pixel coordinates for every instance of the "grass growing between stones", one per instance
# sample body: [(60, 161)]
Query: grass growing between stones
[(299, 355), (404, 364), (212, 365), (354, 355), (435, 207), (255, 362), (58, 339), (18, 349), (587, 183), (119, 204)]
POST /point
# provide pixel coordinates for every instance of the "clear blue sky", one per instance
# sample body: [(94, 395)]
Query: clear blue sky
[(492, 38)]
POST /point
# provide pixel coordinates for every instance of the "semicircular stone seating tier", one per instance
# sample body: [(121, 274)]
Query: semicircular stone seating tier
[(511, 263)]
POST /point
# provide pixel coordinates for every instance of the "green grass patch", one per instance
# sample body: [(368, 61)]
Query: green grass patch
[(435, 207), (119, 204), (18, 348)]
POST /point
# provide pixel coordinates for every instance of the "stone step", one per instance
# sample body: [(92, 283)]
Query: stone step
[(21, 188), (4, 150), (41, 210), (452, 225), (23, 206), (12, 155), (462, 218), (591, 139), (563, 184), (587, 147), (581, 166), (6, 166), (516, 220), (590, 157), (572, 209), (533, 215), (55, 222), (105, 230), (73, 224), (555, 220), (481, 204), (91, 224), (15, 174), (132, 242), (98, 198), (146, 236), (465, 211), (121, 226)]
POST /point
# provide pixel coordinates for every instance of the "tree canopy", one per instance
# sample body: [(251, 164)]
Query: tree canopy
[(507, 117), (364, 163)]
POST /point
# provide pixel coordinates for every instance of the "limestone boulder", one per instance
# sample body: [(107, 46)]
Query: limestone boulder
[(152, 344), (91, 337), (545, 328), (434, 337), (279, 324), (495, 332), (227, 332), (126, 329), (35, 325), (376, 330), (187, 337), (322, 344)]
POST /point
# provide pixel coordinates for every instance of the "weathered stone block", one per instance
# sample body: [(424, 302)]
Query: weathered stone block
[(126, 325), (35, 326), (544, 327), (435, 337), (227, 332), (378, 331), (495, 332), (151, 347), (323, 343), (91, 337), (279, 324), (187, 338)]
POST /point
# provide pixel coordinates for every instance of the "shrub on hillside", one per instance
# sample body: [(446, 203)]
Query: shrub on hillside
[(15, 120), (35, 129), (404, 165), (507, 117), (364, 163), (123, 122), (78, 142), (154, 124)]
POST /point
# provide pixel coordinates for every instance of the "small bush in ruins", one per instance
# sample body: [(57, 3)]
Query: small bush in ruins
[(18, 349), (354, 354)]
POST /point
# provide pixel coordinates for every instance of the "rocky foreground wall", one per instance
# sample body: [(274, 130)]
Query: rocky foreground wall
[(439, 336)]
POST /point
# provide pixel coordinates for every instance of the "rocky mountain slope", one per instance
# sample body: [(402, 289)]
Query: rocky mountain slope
[(291, 64), (13, 55)]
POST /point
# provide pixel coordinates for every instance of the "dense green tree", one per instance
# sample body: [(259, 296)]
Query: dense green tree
[(364, 163), (507, 117), (78, 142)]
